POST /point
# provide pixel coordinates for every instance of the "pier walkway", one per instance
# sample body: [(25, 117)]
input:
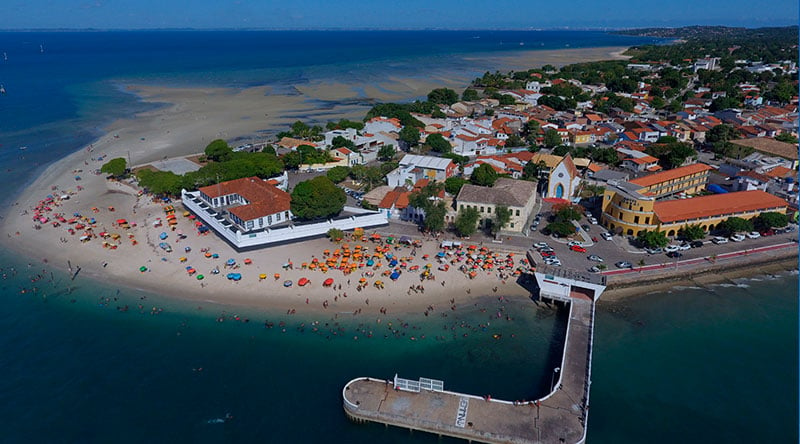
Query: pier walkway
[(559, 417)]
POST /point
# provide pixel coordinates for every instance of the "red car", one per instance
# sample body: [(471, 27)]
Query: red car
[(547, 253), (578, 249)]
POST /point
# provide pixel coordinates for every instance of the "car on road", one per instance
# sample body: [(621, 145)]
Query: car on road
[(594, 257), (594, 269), (674, 254), (593, 221), (624, 264), (738, 237), (574, 243), (753, 235), (696, 244), (671, 248), (719, 240), (606, 235), (684, 246), (657, 250), (586, 227), (540, 245), (546, 254), (577, 248), (553, 261)]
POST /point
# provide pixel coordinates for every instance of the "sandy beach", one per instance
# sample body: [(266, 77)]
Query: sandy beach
[(188, 120)]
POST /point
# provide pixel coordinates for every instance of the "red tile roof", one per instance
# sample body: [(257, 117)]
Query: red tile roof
[(264, 198), (781, 171), (668, 175), (669, 211)]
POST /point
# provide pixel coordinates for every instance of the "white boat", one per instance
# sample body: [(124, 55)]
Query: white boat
[(41, 48), (5, 56), (2, 89)]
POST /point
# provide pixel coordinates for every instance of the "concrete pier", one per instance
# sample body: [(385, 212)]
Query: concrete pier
[(559, 417)]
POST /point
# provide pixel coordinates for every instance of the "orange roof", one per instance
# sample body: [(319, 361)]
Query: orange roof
[(397, 198), (672, 174), (779, 171), (593, 167), (264, 198), (571, 166), (669, 211)]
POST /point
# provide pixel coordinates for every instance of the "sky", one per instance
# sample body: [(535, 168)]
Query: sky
[(390, 14)]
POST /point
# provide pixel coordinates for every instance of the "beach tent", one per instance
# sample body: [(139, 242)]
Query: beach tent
[(230, 262), (163, 235)]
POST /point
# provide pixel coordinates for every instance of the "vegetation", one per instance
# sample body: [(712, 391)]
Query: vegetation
[(300, 130), (344, 124), (453, 184), (335, 234), (652, 239), (786, 137), (218, 151), (386, 152), (469, 95), (427, 199), (409, 135), (338, 173), (561, 228), (531, 170), (566, 212), (341, 142), (317, 198), (438, 143), (116, 167), (733, 225), (443, 96), (771, 219), (551, 138), (467, 221), (484, 175), (692, 232), (502, 215), (671, 153)]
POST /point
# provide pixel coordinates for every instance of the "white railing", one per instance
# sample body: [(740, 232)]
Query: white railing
[(364, 219)]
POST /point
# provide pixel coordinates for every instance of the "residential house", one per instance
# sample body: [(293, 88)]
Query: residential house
[(519, 196), (413, 168)]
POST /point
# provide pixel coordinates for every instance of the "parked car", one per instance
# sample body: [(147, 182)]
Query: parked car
[(674, 254), (577, 248), (596, 258), (540, 245), (767, 233), (594, 269), (593, 221), (606, 235), (696, 244), (553, 261), (753, 235), (586, 227), (657, 250), (671, 248), (684, 246), (574, 243), (719, 240), (624, 264), (738, 237), (546, 254)]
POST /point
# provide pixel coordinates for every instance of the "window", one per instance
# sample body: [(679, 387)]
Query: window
[(641, 208), (481, 209), (269, 220), (260, 222), (636, 219), (489, 210), (517, 212), (512, 224), (249, 224), (286, 214), (647, 220)]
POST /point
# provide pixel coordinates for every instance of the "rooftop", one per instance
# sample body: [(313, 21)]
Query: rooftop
[(508, 192), (264, 199), (672, 174), (429, 162), (770, 146), (669, 211)]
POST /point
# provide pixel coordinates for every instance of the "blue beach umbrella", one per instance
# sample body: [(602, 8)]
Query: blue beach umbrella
[(230, 262), (163, 235)]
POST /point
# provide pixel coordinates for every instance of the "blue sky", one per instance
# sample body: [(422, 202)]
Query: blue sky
[(349, 14)]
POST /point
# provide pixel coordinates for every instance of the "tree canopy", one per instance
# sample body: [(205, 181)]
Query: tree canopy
[(502, 216), (671, 153), (438, 143), (317, 198), (409, 135), (338, 173), (386, 152), (652, 238), (692, 232), (484, 175), (551, 138), (443, 96), (467, 221), (453, 184), (469, 95), (218, 150), (115, 167), (770, 219), (733, 225)]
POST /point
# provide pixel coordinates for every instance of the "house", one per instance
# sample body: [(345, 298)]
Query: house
[(564, 179), (350, 157), (519, 196), (413, 168), (250, 203), (750, 180), (382, 124)]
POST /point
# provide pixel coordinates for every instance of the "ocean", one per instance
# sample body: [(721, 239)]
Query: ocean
[(88, 362)]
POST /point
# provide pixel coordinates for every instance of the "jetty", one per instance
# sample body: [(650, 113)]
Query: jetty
[(559, 417)]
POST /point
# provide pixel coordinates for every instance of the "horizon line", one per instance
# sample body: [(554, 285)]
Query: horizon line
[(339, 29)]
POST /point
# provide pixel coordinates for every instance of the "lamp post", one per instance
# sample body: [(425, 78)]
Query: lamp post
[(553, 377)]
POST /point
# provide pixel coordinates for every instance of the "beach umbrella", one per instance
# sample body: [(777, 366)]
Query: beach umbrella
[(303, 281), (200, 277), (328, 282), (163, 235), (142, 268), (287, 283), (394, 275), (362, 280), (248, 261), (276, 276), (262, 276), (230, 262), (370, 263)]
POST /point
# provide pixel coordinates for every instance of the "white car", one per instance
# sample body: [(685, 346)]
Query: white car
[(593, 220), (553, 261), (540, 245), (606, 235), (738, 237), (574, 243), (719, 240), (754, 235), (685, 246), (671, 248)]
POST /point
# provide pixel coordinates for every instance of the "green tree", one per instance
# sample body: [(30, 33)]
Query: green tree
[(443, 96), (438, 114), (770, 219), (438, 143), (484, 175), (218, 150), (786, 137), (502, 216), (551, 138), (532, 170), (469, 95), (292, 160), (340, 141), (506, 99), (269, 149), (561, 150), (317, 198), (652, 238), (453, 184), (467, 221), (409, 135), (434, 217), (386, 152), (338, 173), (734, 225), (670, 152), (160, 182), (115, 167), (335, 234), (605, 155), (561, 228), (566, 212), (721, 133), (692, 232)]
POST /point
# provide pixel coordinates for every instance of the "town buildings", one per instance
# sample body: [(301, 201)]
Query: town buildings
[(250, 203), (519, 196)]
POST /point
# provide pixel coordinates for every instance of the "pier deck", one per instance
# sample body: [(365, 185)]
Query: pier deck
[(559, 417)]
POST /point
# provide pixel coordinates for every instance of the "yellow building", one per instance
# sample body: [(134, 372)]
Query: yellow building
[(689, 179)]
